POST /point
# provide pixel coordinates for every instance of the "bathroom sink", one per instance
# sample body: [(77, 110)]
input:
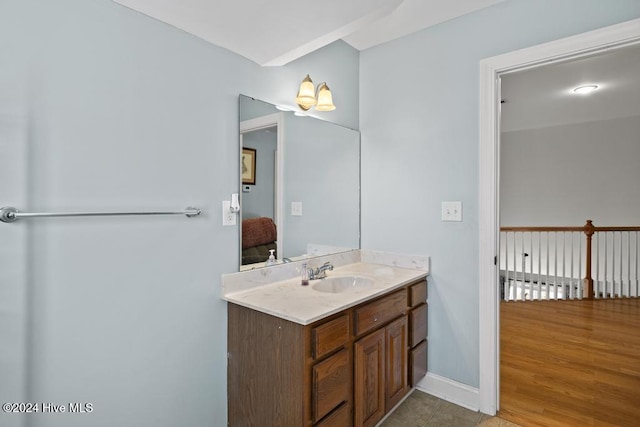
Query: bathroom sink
[(338, 284)]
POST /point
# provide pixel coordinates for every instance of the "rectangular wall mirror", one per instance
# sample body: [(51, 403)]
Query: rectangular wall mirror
[(300, 185)]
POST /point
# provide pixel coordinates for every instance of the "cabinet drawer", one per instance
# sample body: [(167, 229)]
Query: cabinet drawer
[(330, 336), (379, 312), (418, 363), (331, 384), (418, 294), (340, 418), (418, 325)]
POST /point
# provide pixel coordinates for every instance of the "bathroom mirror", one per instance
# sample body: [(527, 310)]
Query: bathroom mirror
[(300, 185)]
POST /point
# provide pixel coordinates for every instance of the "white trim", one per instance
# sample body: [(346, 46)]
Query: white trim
[(488, 224), (449, 390), (600, 40), (263, 122)]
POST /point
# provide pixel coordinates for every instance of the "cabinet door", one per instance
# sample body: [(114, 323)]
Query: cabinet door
[(369, 388), (396, 384)]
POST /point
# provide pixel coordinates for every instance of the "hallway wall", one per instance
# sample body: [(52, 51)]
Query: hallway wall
[(564, 175)]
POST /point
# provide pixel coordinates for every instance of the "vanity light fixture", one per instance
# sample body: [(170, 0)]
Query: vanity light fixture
[(585, 89), (325, 100), (308, 96)]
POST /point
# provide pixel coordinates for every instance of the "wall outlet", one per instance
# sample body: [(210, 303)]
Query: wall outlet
[(452, 211), (228, 217), (296, 208)]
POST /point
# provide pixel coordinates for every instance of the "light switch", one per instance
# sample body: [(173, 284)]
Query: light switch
[(452, 211), (296, 208)]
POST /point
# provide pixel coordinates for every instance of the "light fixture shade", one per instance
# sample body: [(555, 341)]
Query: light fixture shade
[(306, 95), (325, 100)]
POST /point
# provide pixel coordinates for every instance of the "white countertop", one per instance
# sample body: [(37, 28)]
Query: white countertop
[(288, 299)]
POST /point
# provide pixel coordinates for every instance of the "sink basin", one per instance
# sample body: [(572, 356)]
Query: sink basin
[(338, 284)]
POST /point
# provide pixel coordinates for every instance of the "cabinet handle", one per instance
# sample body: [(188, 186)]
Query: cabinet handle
[(375, 319)]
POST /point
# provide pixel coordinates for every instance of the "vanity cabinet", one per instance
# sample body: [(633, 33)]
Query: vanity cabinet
[(348, 369)]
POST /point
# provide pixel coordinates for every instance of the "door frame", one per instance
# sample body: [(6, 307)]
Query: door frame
[(585, 44)]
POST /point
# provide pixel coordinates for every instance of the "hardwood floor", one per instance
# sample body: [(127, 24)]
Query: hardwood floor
[(570, 363)]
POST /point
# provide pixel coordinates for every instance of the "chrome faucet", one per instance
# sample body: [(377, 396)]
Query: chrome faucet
[(320, 272)]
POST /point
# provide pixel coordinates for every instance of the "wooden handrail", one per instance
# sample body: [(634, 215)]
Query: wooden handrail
[(558, 228), (616, 228), (589, 230), (542, 229)]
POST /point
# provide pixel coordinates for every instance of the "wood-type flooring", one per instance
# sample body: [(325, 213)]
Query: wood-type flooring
[(570, 363)]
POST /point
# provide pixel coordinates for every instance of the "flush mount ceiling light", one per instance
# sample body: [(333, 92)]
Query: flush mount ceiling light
[(308, 96), (585, 89)]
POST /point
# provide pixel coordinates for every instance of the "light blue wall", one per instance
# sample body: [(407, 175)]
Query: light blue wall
[(102, 108), (419, 124)]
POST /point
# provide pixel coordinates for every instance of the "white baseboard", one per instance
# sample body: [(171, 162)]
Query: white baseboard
[(451, 391)]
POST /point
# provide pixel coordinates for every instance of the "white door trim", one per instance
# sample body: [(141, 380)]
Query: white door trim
[(600, 40)]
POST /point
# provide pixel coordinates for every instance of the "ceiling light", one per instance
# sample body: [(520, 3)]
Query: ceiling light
[(585, 89)]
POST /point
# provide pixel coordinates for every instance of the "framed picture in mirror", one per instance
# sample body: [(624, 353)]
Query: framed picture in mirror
[(248, 166)]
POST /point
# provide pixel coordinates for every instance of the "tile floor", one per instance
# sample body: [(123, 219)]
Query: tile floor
[(421, 410)]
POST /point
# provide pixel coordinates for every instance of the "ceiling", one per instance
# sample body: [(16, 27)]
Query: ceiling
[(544, 97), (276, 32)]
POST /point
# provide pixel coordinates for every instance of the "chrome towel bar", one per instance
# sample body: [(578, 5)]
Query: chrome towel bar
[(10, 214)]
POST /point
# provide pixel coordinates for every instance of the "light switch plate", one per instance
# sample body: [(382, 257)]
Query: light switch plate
[(228, 217), (296, 208), (452, 211)]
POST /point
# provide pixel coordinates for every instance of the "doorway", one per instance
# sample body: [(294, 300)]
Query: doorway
[(491, 69), (565, 157), (264, 200)]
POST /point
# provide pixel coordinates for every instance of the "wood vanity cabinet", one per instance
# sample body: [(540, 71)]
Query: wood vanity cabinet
[(348, 369)]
